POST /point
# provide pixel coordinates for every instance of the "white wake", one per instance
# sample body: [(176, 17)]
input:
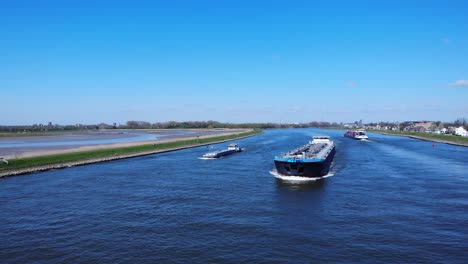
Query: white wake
[(298, 179)]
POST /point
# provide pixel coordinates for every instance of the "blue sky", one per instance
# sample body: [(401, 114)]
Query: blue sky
[(232, 61)]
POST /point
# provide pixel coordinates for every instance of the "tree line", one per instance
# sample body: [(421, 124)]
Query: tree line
[(196, 124), (436, 124), (162, 125), (216, 124)]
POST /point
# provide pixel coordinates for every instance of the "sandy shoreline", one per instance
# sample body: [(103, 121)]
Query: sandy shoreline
[(164, 136), (115, 157), (427, 139)]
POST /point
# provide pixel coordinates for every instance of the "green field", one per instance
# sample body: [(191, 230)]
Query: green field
[(23, 163), (449, 138)]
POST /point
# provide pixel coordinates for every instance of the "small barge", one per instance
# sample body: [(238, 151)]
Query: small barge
[(232, 148)]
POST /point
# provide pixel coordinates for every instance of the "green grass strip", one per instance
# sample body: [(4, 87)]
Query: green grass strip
[(428, 136), (22, 163)]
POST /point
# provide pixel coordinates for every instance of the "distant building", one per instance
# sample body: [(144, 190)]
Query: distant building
[(425, 124), (460, 131), (451, 130), (420, 129)]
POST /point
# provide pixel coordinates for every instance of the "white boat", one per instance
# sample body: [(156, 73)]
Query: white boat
[(356, 134)]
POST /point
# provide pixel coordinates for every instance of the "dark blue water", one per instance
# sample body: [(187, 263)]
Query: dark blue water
[(393, 199)]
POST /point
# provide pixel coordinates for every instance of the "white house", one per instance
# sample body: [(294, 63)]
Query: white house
[(460, 131)]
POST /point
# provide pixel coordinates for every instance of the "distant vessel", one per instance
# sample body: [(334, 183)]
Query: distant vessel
[(232, 148), (312, 160), (356, 134)]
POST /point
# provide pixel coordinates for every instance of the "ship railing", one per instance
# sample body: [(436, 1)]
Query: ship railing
[(328, 151)]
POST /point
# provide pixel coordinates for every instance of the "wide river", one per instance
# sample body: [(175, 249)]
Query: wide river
[(391, 199)]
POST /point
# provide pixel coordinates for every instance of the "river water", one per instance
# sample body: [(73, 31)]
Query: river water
[(391, 199)]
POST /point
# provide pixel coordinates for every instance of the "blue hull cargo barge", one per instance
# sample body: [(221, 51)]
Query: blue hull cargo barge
[(311, 161), (232, 148)]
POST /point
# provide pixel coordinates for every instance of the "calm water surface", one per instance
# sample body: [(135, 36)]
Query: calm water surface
[(392, 199)]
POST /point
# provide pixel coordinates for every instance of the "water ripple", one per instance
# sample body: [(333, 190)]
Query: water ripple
[(391, 199)]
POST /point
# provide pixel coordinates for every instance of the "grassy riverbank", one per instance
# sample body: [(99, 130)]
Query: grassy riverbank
[(85, 157), (449, 139)]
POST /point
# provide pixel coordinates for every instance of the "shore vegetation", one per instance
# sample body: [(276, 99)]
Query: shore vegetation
[(427, 136), (51, 129), (31, 162)]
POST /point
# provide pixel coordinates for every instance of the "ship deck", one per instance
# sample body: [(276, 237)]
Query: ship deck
[(316, 150)]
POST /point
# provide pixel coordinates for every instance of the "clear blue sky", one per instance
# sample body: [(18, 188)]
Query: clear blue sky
[(232, 61)]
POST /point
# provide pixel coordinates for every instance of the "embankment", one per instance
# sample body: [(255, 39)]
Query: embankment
[(59, 161), (446, 139)]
